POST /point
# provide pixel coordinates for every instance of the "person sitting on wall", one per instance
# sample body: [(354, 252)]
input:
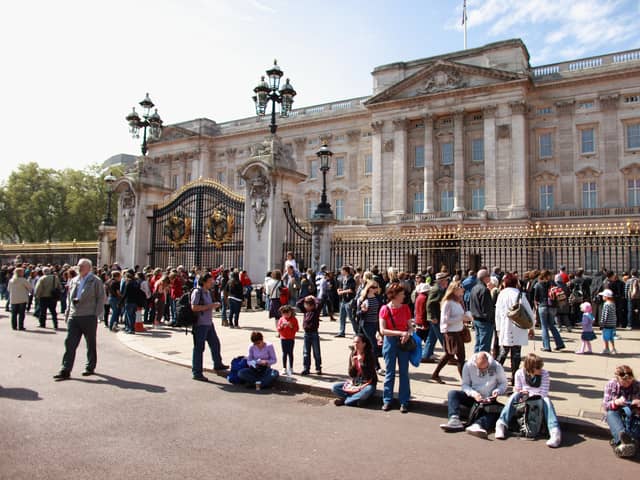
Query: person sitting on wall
[(260, 358)]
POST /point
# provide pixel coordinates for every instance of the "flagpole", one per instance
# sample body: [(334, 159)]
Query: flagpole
[(464, 22)]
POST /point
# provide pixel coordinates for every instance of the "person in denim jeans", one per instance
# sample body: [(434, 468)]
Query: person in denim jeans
[(546, 312), (395, 325), (362, 371), (113, 289), (233, 295), (433, 315), (621, 395), (204, 331), (347, 292), (311, 308)]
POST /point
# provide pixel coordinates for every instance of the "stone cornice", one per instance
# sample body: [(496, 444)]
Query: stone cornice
[(518, 108), (489, 111)]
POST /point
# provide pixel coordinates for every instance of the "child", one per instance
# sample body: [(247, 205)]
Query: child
[(608, 321), (311, 307), (587, 328), (287, 328)]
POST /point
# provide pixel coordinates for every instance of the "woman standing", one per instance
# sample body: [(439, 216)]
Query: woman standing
[(452, 318), (511, 337), (234, 293), (19, 290), (546, 312), (273, 292), (161, 290), (395, 325)]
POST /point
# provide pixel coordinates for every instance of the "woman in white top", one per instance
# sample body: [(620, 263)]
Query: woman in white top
[(511, 337), (452, 318)]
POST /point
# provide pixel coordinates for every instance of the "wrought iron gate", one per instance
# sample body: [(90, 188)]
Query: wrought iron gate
[(202, 225), (296, 240)]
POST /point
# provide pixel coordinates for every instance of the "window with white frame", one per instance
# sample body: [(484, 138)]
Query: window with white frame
[(589, 195), (477, 150), (446, 200), (339, 166), (546, 197), (446, 153), (366, 207), (587, 140), (477, 199), (633, 192), (313, 169), (339, 209), (633, 136), (545, 145), (418, 202), (368, 164), (419, 156)]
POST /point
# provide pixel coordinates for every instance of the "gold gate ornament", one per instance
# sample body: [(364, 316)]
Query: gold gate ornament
[(220, 228), (178, 229)]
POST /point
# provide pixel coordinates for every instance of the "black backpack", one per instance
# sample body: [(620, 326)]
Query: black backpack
[(528, 421), (185, 316)]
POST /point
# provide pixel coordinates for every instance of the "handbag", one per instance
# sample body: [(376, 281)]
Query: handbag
[(354, 385), (410, 345), (466, 334), (519, 315)]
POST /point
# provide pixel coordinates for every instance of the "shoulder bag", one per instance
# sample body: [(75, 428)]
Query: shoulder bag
[(410, 345), (519, 315)]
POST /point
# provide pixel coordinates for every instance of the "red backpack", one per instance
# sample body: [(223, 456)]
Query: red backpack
[(284, 294)]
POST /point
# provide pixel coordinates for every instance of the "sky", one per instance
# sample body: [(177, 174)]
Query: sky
[(72, 69)]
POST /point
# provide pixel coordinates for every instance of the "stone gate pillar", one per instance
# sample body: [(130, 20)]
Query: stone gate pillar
[(321, 243), (271, 177)]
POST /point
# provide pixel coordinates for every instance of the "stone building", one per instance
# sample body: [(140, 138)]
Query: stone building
[(465, 152)]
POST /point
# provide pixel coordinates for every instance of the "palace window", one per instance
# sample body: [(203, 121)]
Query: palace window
[(545, 145), (340, 209), (446, 153), (589, 195), (632, 99), (633, 193), (587, 140), (339, 166), (313, 169), (477, 150), (446, 201), (174, 181), (585, 106), (368, 164), (418, 202), (633, 136), (546, 197), (419, 156), (366, 207), (544, 111), (477, 199)]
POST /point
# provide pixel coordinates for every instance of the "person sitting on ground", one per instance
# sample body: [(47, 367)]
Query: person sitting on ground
[(260, 358), (531, 380), (362, 372), (621, 402), (483, 380)]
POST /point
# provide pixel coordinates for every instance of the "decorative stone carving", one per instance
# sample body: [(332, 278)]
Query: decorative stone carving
[(545, 177), (353, 136), (128, 202), (377, 126), (441, 81), (400, 124), (300, 142), (503, 131), (609, 102), (518, 108), (388, 146), (588, 173), (489, 111), (631, 169), (230, 152), (259, 191), (325, 138), (261, 149), (178, 229)]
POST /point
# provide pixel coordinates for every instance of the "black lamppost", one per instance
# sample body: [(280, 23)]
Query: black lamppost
[(153, 121), (266, 92), (324, 208), (109, 180)]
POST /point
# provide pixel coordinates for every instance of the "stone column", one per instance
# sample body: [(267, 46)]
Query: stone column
[(608, 151), (376, 174), (563, 155), (399, 166), (458, 160), (519, 175), (321, 242), (490, 173), (195, 168), (429, 165), (182, 176)]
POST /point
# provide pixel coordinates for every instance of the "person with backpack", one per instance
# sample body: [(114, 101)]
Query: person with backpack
[(531, 381), (203, 330), (561, 295), (546, 310), (621, 404), (260, 358), (632, 295), (47, 291)]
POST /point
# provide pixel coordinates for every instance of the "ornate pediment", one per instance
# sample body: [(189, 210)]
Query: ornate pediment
[(175, 133), (444, 76), (587, 173), (545, 177), (631, 169)]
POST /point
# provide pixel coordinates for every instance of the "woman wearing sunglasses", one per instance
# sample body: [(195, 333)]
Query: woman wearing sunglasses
[(622, 406)]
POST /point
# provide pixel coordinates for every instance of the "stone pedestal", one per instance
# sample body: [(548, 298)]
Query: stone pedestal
[(107, 235), (321, 242), (271, 177)]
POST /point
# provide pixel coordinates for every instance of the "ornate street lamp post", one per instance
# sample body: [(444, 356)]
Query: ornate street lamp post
[(109, 180), (323, 210), (266, 92), (153, 121)]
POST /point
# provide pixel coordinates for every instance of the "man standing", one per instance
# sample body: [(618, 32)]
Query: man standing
[(204, 331), (47, 292), (433, 315), (347, 293), (483, 312), (632, 294), (85, 303)]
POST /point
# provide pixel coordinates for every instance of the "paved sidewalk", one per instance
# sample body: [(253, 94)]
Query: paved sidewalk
[(577, 381)]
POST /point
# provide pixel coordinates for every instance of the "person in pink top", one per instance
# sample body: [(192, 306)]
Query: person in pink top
[(287, 328)]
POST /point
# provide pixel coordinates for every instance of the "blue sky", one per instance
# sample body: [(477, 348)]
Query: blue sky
[(73, 69)]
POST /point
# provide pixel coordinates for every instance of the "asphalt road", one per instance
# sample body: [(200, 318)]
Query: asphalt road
[(141, 418)]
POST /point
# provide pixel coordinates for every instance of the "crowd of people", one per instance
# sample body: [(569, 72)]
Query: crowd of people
[(394, 316)]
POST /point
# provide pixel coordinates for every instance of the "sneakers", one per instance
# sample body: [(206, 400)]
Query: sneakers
[(305, 372), (605, 351), (554, 438), (626, 447), (285, 372), (476, 430), (404, 408), (386, 407), (453, 425), (289, 372), (501, 430), (338, 402), (614, 352)]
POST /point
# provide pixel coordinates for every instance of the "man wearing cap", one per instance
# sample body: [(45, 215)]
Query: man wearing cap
[(433, 315), (483, 312)]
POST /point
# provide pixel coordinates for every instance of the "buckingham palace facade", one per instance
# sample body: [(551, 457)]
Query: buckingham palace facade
[(512, 164)]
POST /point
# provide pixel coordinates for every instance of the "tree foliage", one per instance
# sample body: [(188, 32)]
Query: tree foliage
[(40, 204)]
